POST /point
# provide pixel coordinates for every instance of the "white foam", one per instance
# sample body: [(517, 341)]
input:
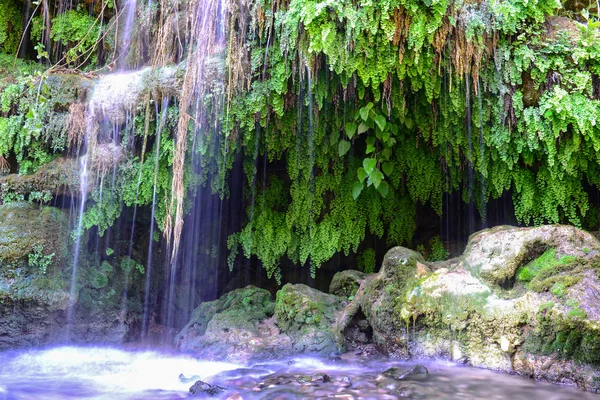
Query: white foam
[(113, 370)]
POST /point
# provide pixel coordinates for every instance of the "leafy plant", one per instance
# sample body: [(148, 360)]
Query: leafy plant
[(438, 251), (37, 258)]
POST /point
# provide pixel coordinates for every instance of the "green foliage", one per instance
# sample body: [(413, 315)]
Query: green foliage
[(77, 32), (425, 101), (37, 259), (42, 197), (366, 261), (11, 26), (438, 250), (129, 265)]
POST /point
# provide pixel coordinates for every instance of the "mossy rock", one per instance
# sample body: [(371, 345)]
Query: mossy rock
[(346, 283), (237, 327), (307, 315), (496, 254), (24, 227), (249, 303)]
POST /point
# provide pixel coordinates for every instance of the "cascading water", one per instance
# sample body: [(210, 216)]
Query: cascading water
[(83, 188)]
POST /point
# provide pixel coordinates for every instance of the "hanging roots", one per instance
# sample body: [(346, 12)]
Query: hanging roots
[(76, 125), (4, 165)]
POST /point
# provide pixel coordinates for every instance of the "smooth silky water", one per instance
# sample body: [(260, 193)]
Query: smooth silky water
[(112, 373)]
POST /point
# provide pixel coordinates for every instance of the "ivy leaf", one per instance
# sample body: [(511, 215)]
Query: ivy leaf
[(386, 153), (369, 165), (361, 173), (351, 129), (380, 121), (362, 128), (364, 113), (376, 177), (343, 147), (333, 139), (357, 189), (383, 189), (388, 168), (409, 123), (370, 149)]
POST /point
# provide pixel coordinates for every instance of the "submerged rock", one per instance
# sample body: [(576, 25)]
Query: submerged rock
[(399, 373), (203, 388)]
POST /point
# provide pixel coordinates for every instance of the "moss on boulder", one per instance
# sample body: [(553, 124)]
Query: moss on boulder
[(346, 283), (307, 315), (474, 310), (237, 327)]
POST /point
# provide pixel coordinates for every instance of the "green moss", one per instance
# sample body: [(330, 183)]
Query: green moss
[(98, 280), (547, 261), (558, 289)]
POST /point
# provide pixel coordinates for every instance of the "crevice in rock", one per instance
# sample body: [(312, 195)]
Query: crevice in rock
[(358, 334), (532, 251)]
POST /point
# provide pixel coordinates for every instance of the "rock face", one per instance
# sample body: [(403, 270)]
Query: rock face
[(346, 283), (35, 276), (519, 300)]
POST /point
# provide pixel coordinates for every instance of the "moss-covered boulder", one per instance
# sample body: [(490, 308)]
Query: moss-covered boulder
[(237, 327), (36, 306), (307, 316), (378, 301), (246, 325), (520, 300), (495, 254), (346, 283)]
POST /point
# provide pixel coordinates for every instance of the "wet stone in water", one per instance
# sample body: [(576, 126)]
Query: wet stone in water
[(200, 388), (398, 373)]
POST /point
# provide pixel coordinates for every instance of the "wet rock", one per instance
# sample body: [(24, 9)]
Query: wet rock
[(377, 301), (320, 377), (402, 373), (346, 283), (61, 177), (238, 327), (35, 272), (203, 388), (306, 315), (477, 309), (495, 254)]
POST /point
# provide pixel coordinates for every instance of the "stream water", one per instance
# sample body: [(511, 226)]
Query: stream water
[(111, 373)]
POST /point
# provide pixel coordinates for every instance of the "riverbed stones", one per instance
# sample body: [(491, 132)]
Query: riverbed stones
[(201, 388)]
